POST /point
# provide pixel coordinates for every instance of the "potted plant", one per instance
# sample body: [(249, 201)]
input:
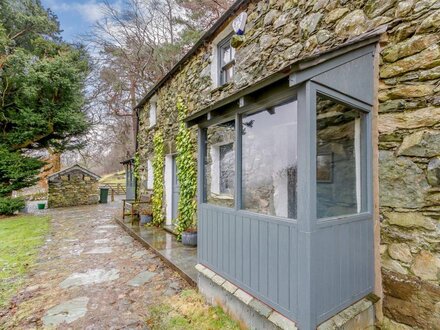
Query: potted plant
[(146, 216), (189, 237)]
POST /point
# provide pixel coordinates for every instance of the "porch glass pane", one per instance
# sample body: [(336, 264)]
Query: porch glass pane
[(220, 164), (269, 161), (338, 162)]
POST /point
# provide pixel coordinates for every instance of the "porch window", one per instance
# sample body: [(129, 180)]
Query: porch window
[(220, 164), (338, 162), (227, 60), (226, 163), (269, 160)]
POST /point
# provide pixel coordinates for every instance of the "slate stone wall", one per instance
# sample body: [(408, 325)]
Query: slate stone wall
[(280, 32), (72, 189)]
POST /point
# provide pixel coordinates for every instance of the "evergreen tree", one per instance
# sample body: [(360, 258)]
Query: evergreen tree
[(41, 92)]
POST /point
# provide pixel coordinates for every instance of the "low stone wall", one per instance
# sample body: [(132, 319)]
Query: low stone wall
[(73, 189)]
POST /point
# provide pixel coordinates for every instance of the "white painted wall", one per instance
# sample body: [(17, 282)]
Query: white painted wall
[(168, 188)]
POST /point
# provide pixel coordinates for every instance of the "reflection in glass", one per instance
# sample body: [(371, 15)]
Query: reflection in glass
[(338, 158), (269, 161), (220, 164)]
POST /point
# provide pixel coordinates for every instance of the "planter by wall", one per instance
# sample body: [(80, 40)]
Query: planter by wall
[(146, 219), (189, 238)]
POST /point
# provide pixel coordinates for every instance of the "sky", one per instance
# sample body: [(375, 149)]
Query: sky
[(76, 16)]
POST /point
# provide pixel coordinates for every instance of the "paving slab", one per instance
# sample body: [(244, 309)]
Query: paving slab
[(100, 250), (67, 312), (93, 276), (141, 278)]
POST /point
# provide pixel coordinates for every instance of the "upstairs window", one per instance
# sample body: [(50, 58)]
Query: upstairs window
[(152, 114), (227, 60)]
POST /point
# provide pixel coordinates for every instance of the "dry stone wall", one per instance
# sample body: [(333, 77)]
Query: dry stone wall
[(280, 32)]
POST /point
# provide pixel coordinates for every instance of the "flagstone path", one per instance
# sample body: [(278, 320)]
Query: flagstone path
[(90, 275)]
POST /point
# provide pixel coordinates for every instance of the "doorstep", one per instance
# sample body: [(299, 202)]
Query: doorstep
[(171, 229), (181, 258)]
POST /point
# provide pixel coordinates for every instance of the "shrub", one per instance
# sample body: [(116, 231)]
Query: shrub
[(8, 206)]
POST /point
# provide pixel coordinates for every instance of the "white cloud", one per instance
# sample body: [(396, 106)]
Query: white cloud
[(90, 11)]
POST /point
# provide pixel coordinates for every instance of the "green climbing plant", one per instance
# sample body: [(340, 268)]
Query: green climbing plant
[(186, 173), (136, 166), (158, 180)]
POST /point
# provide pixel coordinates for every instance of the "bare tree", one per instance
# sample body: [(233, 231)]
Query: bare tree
[(133, 47)]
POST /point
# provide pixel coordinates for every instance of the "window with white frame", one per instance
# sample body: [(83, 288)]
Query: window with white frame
[(226, 60), (220, 164), (153, 106)]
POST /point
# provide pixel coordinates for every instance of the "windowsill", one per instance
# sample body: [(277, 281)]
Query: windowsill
[(225, 86), (222, 196)]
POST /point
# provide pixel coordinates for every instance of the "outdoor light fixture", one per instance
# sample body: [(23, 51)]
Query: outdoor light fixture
[(239, 23)]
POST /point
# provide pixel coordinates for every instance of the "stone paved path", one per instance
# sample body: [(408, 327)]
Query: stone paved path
[(91, 275)]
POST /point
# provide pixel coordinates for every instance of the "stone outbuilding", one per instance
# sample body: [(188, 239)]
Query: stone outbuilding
[(73, 186)]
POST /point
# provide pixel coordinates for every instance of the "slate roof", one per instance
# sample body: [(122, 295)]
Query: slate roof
[(73, 168)]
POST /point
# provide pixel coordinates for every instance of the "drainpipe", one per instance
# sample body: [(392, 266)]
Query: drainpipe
[(136, 130)]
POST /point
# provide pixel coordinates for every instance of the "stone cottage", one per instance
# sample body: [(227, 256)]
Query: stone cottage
[(72, 186), (318, 141)]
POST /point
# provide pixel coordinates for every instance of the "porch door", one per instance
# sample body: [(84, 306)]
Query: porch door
[(175, 190)]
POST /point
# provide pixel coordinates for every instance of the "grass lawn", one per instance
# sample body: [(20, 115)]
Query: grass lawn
[(20, 240), (189, 312), (117, 177)]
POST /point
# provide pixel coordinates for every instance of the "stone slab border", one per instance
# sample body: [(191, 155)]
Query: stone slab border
[(250, 310), (167, 261)]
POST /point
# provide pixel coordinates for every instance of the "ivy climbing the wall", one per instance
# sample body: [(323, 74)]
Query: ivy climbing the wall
[(158, 180), (136, 167), (186, 173)]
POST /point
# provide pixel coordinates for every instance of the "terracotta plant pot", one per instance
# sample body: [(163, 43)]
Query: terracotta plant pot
[(189, 238)]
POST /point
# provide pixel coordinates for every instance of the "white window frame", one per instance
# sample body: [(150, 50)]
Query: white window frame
[(223, 67), (215, 58)]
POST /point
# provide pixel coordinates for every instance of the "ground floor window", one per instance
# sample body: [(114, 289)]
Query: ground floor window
[(267, 163), (220, 164), (269, 160), (338, 159)]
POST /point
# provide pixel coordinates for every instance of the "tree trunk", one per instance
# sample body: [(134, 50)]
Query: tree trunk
[(53, 165)]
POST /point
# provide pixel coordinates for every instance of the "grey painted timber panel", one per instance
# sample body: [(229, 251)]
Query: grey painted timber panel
[(343, 262), (354, 78), (261, 254)]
